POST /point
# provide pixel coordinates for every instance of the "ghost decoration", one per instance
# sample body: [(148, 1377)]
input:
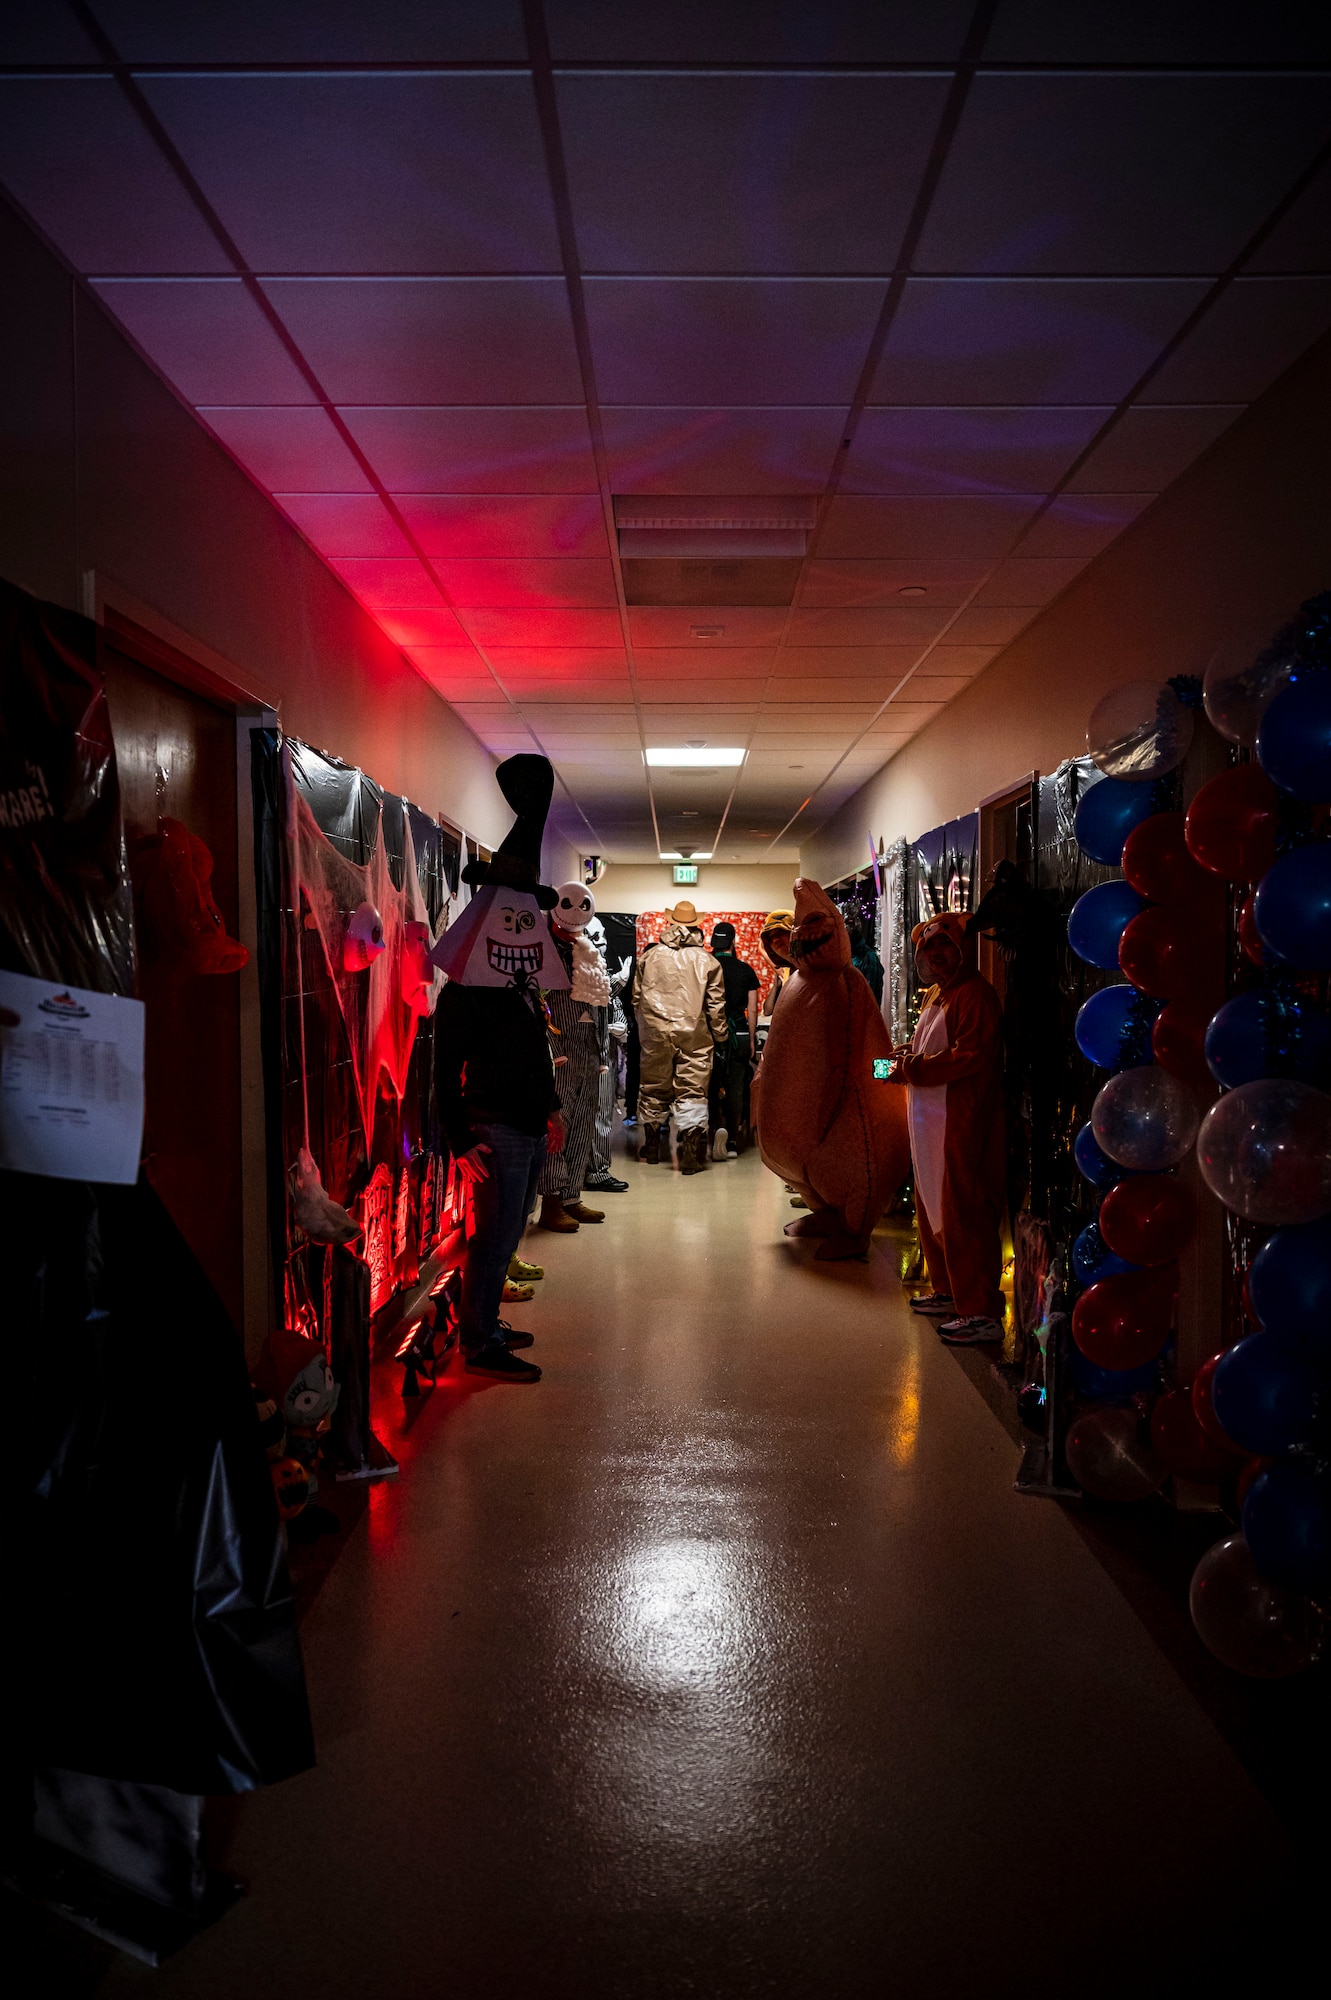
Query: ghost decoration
[(364, 939), (501, 939), (419, 978)]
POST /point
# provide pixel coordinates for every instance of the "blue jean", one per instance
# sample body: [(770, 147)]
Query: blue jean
[(501, 1204)]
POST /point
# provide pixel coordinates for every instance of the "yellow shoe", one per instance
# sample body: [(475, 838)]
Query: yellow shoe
[(522, 1274), (517, 1295)]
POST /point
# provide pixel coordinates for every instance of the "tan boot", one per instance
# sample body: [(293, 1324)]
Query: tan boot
[(693, 1150), (553, 1216), (581, 1213)]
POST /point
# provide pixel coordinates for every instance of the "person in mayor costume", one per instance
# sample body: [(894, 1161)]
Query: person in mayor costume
[(494, 1079), (579, 1043), (953, 1072)]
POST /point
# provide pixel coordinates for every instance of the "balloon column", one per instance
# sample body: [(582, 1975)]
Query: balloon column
[(1264, 1148)]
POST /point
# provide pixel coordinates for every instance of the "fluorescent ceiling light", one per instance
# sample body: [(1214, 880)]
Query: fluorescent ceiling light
[(700, 854), (686, 755)]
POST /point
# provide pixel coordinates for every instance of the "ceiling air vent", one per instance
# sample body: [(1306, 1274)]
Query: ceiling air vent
[(726, 548)]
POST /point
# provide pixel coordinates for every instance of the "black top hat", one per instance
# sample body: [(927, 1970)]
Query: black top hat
[(528, 783)]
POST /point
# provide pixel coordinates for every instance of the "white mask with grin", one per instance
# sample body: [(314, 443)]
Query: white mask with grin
[(501, 939)]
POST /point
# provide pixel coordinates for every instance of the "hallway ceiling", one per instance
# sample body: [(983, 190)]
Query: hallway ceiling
[(449, 279)]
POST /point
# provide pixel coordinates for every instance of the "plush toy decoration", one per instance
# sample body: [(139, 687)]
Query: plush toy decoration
[(364, 939), (293, 1373), (313, 1208), (828, 1120), (181, 922)]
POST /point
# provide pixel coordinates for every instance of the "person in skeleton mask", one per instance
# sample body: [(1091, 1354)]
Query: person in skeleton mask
[(579, 1023), (599, 1178), (494, 1080)]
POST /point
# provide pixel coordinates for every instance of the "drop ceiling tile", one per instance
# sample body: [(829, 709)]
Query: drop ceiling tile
[(1301, 241), (532, 583), (696, 696), (718, 627), (1148, 448), (535, 626), (886, 663), (938, 687), (208, 337), (831, 692), (776, 31), (703, 663), (553, 665), (966, 451), (528, 690), (845, 585), (1024, 580), (455, 687), (990, 625), (75, 156), (908, 627), (1250, 335), (1141, 31), (345, 524), (861, 529), (1029, 340), (721, 451), (388, 583), (1198, 162), (255, 31), (290, 449), (834, 193), (409, 628), (696, 341), (432, 340), (422, 449), (949, 659), (461, 662), (484, 525), (368, 173), (1081, 524), (37, 36)]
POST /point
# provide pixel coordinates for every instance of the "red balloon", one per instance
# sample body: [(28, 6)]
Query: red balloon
[(1172, 956), (1183, 1445), (1148, 1219), (1252, 1470), (1231, 824), (1253, 948), (1125, 1319), (1157, 864), (1178, 1042), (1203, 1408)]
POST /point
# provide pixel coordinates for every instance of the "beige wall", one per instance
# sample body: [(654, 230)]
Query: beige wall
[(1232, 548), (106, 478), (635, 889)]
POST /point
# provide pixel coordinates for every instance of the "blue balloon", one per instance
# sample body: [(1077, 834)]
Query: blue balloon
[(1267, 1034), (1114, 1027), (1289, 1283), (1294, 738), (1265, 1393), (1110, 1385), (1107, 815), (1092, 1258), (1098, 921), (1292, 907), (1092, 1164), (1287, 1523)]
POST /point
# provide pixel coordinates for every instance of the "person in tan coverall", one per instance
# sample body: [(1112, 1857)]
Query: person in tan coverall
[(680, 999)]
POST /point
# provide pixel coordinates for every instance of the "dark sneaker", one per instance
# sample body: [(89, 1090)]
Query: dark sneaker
[(606, 1184), (494, 1359), (973, 1332), (515, 1336), (939, 1305)]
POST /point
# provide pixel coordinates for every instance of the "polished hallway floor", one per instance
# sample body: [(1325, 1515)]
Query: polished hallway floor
[(726, 1662)]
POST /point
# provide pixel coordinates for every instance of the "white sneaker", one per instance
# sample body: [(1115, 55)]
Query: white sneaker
[(973, 1332), (720, 1143)]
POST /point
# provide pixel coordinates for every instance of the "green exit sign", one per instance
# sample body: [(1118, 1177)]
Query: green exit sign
[(686, 874)]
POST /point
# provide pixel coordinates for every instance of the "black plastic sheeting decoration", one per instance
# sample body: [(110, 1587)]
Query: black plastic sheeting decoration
[(351, 811), (68, 910)]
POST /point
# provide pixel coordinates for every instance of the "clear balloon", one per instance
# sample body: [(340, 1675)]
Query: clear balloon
[(1145, 1119), (1139, 731), (1287, 1523), (1110, 1456), (1265, 1150), (1251, 1624), (1241, 680)]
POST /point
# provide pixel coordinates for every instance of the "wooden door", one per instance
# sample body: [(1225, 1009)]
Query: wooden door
[(176, 754)]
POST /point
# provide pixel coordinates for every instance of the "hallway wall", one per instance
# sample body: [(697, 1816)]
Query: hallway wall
[(635, 889), (103, 471), (1230, 550)]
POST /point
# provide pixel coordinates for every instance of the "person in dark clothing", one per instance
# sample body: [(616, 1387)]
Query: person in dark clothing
[(864, 958), (494, 1079), (729, 1093)]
